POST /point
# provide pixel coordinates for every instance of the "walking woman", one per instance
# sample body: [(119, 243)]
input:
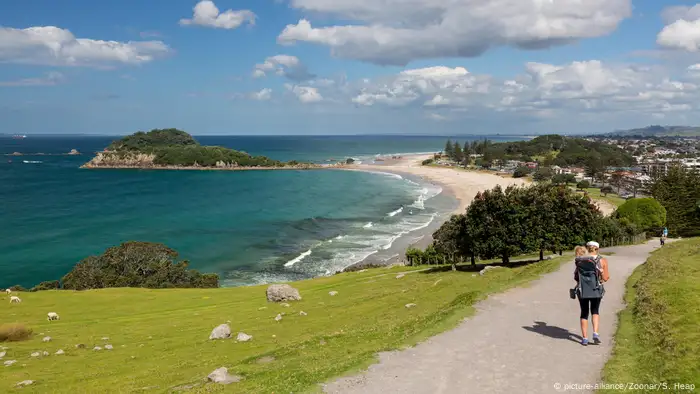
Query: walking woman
[(591, 273)]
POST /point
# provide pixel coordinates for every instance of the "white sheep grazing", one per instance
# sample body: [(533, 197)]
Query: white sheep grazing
[(8, 291), (15, 300), (53, 316)]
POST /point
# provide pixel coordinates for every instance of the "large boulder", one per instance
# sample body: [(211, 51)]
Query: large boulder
[(222, 376), (222, 331), (279, 293)]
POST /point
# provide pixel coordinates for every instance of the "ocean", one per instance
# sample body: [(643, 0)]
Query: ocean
[(250, 227)]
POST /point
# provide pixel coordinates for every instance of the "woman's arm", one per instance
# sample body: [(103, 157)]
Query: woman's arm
[(605, 274)]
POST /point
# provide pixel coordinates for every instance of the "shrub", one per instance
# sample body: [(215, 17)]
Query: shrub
[(136, 264), (48, 285), (606, 189), (543, 174), (521, 172), (17, 288), (428, 162), (583, 185), (13, 332), (646, 213)]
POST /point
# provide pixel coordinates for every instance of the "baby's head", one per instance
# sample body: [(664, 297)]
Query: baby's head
[(580, 251)]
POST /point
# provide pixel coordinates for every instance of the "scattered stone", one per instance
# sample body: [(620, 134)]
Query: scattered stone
[(141, 345), (25, 383), (222, 331), (302, 313), (473, 275), (265, 360), (105, 338), (332, 293), (285, 305), (399, 276), (36, 354), (262, 308), (60, 351), (9, 362), (97, 348), (278, 293), (488, 268), (45, 353), (2, 354), (322, 342), (274, 336), (222, 376), (437, 281), (410, 305), (361, 271), (80, 346), (243, 337), (109, 347), (278, 317), (46, 339)]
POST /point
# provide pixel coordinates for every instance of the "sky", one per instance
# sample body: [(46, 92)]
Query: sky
[(443, 67)]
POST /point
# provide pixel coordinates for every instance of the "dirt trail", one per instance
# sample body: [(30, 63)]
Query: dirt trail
[(525, 340)]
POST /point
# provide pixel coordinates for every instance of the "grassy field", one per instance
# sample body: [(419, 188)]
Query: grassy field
[(612, 198), (160, 337), (658, 338)]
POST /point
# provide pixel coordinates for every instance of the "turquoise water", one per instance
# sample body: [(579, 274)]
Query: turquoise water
[(250, 227)]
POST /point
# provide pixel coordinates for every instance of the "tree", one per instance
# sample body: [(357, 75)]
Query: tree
[(583, 185), (457, 154), (646, 213), (616, 180), (606, 189), (569, 178), (136, 264), (521, 172), (594, 167), (679, 193), (543, 174), (559, 179), (449, 149), (454, 240)]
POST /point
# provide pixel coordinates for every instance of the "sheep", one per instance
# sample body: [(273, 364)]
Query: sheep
[(53, 316), (8, 291), (15, 300)]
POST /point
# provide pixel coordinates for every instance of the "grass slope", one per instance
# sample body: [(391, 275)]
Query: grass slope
[(612, 198), (658, 337), (160, 337)]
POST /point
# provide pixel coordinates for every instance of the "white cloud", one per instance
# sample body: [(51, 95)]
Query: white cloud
[(50, 45), (398, 31), (437, 117), (682, 30), (436, 101), (305, 94), (283, 65), (263, 95), (207, 14), (49, 79)]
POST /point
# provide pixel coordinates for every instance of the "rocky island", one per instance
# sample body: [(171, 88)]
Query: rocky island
[(174, 149)]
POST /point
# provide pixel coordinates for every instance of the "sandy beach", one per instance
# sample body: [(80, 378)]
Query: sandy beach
[(461, 184)]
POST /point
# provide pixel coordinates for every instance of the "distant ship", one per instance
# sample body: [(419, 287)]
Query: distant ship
[(19, 137)]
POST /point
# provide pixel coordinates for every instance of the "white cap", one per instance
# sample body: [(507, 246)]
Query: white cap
[(593, 243)]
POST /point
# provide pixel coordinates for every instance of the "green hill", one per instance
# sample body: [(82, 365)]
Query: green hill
[(173, 148), (560, 150), (160, 337), (658, 131)]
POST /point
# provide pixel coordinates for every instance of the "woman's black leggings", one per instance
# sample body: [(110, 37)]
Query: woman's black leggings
[(594, 306)]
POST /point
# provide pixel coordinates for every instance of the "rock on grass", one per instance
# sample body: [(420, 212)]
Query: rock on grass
[(222, 376), (243, 337), (222, 331), (279, 293)]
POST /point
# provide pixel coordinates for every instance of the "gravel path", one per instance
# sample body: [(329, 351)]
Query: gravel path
[(525, 340)]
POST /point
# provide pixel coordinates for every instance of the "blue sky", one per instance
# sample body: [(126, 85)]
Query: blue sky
[(347, 66)]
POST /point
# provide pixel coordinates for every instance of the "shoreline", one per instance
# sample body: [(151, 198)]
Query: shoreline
[(461, 186), (87, 166)]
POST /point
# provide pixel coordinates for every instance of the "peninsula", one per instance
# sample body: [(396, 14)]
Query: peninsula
[(173, 149)]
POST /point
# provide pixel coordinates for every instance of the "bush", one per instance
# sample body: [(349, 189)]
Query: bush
[(13, 332), (17, 288), (48, 285), (646, 213), (606, 189), (136, 264), (428, 162), (543, 174), (583, 185), (521, 172)]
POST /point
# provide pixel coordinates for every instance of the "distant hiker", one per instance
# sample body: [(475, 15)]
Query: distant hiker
[(591, 272), (662, 239)]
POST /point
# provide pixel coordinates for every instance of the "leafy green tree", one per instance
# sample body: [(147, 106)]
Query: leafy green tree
[(616, 180), (457, 154), (455, 241), (646, 213), (449, 150), (605, 190), (543, 174), (136, 264), (679, 193), (583, 185), (559, 179), (521, 172), (569, 178)]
